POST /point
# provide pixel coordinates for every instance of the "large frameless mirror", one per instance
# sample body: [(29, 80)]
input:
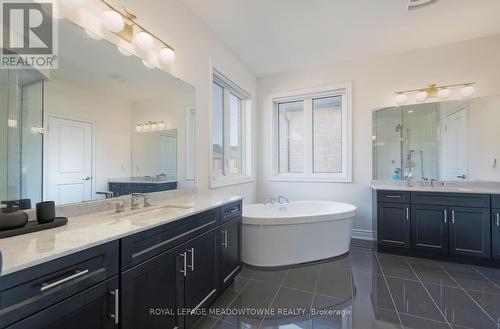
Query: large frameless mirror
[(101, 125)]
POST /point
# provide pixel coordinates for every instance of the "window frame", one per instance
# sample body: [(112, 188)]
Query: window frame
[(307, 96), (230, 88)]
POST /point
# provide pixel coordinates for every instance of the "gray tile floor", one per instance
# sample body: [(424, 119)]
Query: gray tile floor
[(363, 290)]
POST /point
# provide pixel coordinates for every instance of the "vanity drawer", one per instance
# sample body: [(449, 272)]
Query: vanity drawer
[(451, 199), (28, 291), (231, 211), (495, 201), (142, 246), (394, 196)]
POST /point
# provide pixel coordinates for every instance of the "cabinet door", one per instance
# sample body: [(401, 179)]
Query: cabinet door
[(202, 277), (230, 255), (429, 226), (495, 233), (393, 224), (96, 307), (470, 232), (152, 292)]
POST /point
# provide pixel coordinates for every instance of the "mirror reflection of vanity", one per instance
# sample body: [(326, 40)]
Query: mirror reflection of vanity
[(454, 140), (101, 125)]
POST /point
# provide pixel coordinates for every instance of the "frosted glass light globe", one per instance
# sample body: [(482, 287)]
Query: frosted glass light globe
[(161, 125), (138, 128), (113, 21), (400, 99), (143, 40), (421, 96), (443, 93), (467, 91), (167, 55)]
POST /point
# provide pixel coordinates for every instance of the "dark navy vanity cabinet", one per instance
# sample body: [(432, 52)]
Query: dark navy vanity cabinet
[(126, 188), (146, 280), (455, 226)]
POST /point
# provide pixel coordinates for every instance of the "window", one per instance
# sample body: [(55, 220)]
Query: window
[(312, 132), (230, 156)]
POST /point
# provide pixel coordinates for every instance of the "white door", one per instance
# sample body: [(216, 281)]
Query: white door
[(456, 145), (69, 160), (168, 156)]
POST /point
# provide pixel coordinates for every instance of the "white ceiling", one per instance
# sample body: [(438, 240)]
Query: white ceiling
[(273, 36)]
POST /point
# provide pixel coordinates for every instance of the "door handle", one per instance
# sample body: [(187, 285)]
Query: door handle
[(462, 176), (184, 261), (47, 286), (224, 242), (86, 178), (191, 251), (453, 216), (445, 216), (116, 314)]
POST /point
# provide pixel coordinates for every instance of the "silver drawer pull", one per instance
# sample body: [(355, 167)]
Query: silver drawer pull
[(116, 315), (498, 219), (184, 259), (407, 213), (393, 196), (224, 242), (445, 216), (191, 251), (232, 211), (453, 216), (47, 286)]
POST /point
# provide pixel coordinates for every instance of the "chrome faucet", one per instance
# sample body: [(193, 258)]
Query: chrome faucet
[(134, 200), (271, 200), (119, 206), (283, 198)]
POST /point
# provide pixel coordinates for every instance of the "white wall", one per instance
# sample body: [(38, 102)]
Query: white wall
[(112, 126), (374, 83)]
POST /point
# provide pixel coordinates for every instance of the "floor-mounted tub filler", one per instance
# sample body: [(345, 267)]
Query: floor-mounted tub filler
[(296, 232)]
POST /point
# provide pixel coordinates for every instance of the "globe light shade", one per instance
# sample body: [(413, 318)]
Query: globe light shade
[(467, 91), (161, 125), (421, 96), (143, 40), (138, 128), (124, 52), (167, 55), (147, 64), (113, 21), (400, 99), (443, 93)]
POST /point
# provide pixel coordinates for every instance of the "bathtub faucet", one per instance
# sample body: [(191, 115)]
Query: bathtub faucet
[(283, 198)]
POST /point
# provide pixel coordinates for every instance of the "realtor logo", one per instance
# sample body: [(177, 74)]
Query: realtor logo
[(29, 35)]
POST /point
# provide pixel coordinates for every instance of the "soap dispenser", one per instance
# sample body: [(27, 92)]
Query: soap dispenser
[(10, 216)]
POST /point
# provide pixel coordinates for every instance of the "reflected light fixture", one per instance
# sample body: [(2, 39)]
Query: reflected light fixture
[(124, 52), (434, 91), (150, 126), (124, 24), (93, 35), (148, 64)]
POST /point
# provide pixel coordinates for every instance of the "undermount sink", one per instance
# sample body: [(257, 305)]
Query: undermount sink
[(154, 210)]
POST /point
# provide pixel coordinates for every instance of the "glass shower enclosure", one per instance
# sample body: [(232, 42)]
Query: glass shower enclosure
[(21, 135), (406, 142)]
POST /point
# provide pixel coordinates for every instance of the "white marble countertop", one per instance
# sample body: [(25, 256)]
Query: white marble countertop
[(89, 230), (451, 187)]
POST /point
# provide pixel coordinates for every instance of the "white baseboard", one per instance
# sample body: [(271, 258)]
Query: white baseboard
[(363, 235)]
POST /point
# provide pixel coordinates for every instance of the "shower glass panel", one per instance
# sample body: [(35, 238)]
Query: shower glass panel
[(21, 149), (406, 141)]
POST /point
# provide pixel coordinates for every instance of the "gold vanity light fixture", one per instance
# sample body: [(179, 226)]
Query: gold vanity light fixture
[(124, 24), (434, 91), (150, 126)]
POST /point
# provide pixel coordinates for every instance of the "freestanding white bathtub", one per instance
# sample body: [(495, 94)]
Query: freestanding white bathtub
[(297, 232)]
